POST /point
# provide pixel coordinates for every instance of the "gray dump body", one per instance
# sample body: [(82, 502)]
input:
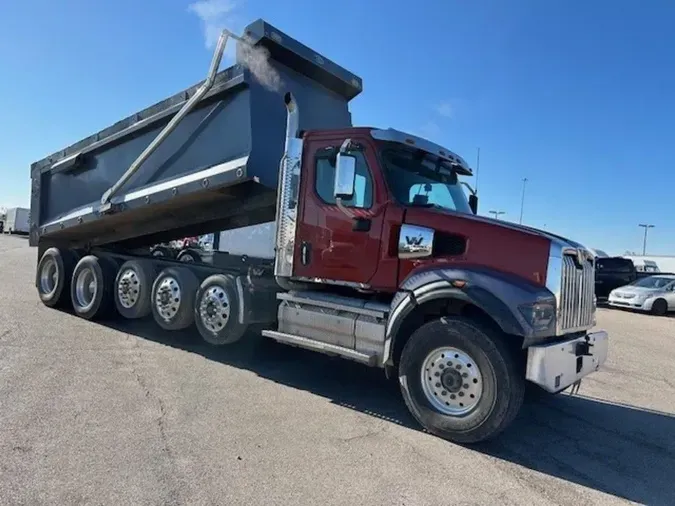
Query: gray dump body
[(217, 170)]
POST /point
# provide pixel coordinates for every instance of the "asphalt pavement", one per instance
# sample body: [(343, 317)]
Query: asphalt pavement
[(126, 414)]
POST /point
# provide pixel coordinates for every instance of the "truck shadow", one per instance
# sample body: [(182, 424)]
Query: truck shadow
[(613, 448)]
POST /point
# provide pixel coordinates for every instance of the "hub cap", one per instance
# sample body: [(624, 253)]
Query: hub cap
[(187, 258), (85, 288), (451, 381), (49, 277), (128, 288), (167, 298), (214, 309)]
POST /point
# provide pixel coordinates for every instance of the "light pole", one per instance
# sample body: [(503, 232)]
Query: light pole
[(477, 166), (522, 201), (497, 213), (644, 243)]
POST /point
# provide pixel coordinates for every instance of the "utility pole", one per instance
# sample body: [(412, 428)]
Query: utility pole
[(497, 213), (477, 166), (644, 243), (522, 201)]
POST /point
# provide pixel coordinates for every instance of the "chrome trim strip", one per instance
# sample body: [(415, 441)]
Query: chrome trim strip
[(156, 188), (79, 212), (323, 347), (188, 178), (306, 301)]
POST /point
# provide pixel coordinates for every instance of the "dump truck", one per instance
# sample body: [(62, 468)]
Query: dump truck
[(358, 242)]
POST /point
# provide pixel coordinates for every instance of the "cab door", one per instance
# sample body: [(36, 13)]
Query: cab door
[(329, 244)]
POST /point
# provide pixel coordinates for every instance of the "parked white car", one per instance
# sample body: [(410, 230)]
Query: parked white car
[(652, 293)]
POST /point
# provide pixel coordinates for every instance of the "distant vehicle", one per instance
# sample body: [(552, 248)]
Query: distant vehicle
[(16, 221), (643, 265), (611, 273), (655, 294)]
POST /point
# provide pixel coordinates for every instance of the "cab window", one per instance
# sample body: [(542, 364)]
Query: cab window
[(325, 177)]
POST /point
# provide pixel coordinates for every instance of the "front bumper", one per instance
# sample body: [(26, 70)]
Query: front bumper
[(554, 367), (640, 304)]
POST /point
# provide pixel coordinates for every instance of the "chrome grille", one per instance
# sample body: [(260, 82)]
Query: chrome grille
[(577, 288)]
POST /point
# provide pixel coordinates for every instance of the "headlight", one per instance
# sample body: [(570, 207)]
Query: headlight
[(540, 314)]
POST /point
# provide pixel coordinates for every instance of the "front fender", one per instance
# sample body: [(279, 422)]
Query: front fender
[(497, 294)]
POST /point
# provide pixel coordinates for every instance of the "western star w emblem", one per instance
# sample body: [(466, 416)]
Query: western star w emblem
[(413, 241)]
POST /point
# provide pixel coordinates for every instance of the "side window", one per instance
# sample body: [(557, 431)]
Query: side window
[(363, 187)]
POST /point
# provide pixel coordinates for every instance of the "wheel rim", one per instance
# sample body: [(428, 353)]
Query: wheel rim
[(214, 309), (86, 287), (49, 277), (128, 288), (187, 258), (451, 381), (168, 298)]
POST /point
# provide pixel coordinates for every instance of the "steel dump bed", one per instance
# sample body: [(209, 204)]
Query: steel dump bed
[(216, 170)]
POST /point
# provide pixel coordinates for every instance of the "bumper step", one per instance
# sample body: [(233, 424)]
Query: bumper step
[(330, 349)]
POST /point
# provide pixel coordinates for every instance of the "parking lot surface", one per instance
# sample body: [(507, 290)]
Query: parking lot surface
[(126, 414)]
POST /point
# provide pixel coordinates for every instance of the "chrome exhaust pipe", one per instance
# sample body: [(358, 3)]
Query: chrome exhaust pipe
[(287, 196), (292, 117)]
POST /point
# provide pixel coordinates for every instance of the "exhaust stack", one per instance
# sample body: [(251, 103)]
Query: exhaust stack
[(287, 192)]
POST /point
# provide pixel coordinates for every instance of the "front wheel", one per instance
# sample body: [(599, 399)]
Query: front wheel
[(460, 380), (660, 307)]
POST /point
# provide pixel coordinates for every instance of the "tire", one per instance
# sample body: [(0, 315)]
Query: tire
[(660, 307), (91, 287), (52, 277), (216, 311), (189, 256), (133, 285), (469, 360), (172, 298), (161, 251)]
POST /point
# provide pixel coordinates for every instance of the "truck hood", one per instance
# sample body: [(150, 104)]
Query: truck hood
[(493, 244), (562, 241)]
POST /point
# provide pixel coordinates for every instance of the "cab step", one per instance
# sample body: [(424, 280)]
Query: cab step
[(313, 344)]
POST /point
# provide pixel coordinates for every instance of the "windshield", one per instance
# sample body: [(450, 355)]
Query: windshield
[(420, 179), (614, 264), (653, 282)]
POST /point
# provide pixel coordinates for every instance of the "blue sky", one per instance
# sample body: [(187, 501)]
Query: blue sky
[(576, 96)]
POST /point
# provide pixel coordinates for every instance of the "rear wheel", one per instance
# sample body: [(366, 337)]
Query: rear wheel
[(660, 307), (91, 287), (188, 256), (460, 381), (172, 298), (132, 288), (53, 276), (161, 251), (217, 308)]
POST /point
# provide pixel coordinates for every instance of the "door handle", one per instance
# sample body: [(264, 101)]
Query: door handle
[(361, 225)]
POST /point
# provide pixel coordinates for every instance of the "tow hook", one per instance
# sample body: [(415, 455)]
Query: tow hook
[(583, 348)]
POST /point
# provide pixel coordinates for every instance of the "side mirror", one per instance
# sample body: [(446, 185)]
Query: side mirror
[(345, 176), (473, 203)]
